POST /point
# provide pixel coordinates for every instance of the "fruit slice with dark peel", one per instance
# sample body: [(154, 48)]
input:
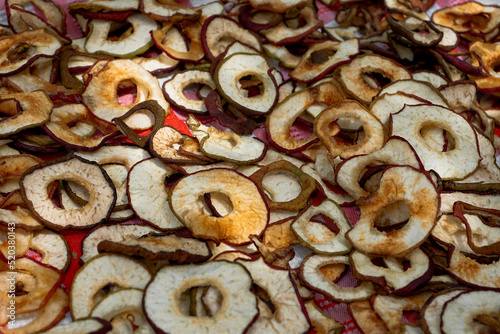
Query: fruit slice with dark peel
[(321, 322), (450, 165), (33, 109), (90, 325), (366, 318), (312, 277), (167, 11), (398, 184), (322, 58), (405, 7), (167, 142), (21, 218), (13, 166), (462, 313), (101, 271), (282, 117), (53, 248), (226, 145), (35, 181), (326, 236), (191, 30), (116, 233), (176, 249), (22, 243), (288, 315), (249, 215), (238, 309), (430, 315), (353, 79), (51, 12), (417, 32)]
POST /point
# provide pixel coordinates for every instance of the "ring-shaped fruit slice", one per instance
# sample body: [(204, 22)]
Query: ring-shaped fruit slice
[(173, 89), (238, 309), (455, 164), (35, 181), (100, 95), (190, 30), (282, 117), (101, 271), (237, 66), (374, 134), (398, 184), (249, 215)]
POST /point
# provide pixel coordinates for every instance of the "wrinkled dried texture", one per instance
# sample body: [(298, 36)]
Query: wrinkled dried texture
[(418, 32), (237, 312), (451, 231), (470, 272), (406, 8), (350, 76), (166, 142), (11, 169), (418, 192), (53, 248), (21, 218), (430, 315), (279, 235), (100, 95), (488, 54), (101, 271), (366, 318), (53, 14), (22, 243), (191, 30), (249, 216), (102, 199), (173, 89)]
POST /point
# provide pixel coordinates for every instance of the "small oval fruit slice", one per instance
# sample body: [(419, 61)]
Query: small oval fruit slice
[(237, 312), (53, 248)]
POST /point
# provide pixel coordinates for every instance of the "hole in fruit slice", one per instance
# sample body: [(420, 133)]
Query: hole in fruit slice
[(119, 31), (218, 204), (392, 217), (281, 186), (126, 92)]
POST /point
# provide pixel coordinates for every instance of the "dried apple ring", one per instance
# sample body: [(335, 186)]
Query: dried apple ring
[(398, 184), (351, 76), (374, 134), (102, 84), (35, 181), (455, 164), (249, 215)]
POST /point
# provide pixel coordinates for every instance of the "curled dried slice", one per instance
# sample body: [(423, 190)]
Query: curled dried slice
[(30, 110), (171, 146), (190, 30), (35, 181), (114, 233), (326, 236), (355, 76), (174, 89), (450, 165), (415, 31), (237, 311), (282, 117), (53, 248), (399, 184), (430, 315), (417, 89), (13, 166), (373, 131), (312, 277), (279, 6), (13, 246), (88, 325), (229, 73), (486, 55), (386, 104), (461, 314), (101, 271), (100, 95), (167, 11), (52, 13), (21, 218), (320, 321), (366, 318), (249, 213), (103, 6)]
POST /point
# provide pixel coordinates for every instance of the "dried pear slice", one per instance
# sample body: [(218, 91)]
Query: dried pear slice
[(226, 145), (430, 315), (288, 315), (176, 249), (33, 110), (471, 272), (88, 325), (249, 215), (13, 166), (53, 248), (489, 201), (321, 237), (21, 218), (18, 51), (191, 30), (450, 165), (353, 78), (135, 43), (52, 13), (100, 271), (116, 233), (282, 117), (19, 243), (148, 195), (387, 104), (35, 181), (100, 95), (238, 309), (419, 89), (167, 144), (312, 277), (398, 184)]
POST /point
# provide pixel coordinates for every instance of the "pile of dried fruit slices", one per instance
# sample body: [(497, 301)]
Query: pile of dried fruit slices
[(249, 166)]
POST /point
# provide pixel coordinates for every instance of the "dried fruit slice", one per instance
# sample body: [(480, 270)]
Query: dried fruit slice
[(460, 314), (355, 76), (101, 271), (321, 322), (312, 277), (450, 165), (104, 6), (403, 184), (373, 131), (237, 312), (89, 325), (249, 215), (326, 236), (19, 243), (114, 233), (191, 31), (31, 110), (21, 218), (288, 315), (417, 89), (280, 6), (232, 69), (415, 32), (430, 315), (13, 166), (171, 146), (52, 13), (366, 318), (167, 11), (53, 248), (35, 181), (100, 95)]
